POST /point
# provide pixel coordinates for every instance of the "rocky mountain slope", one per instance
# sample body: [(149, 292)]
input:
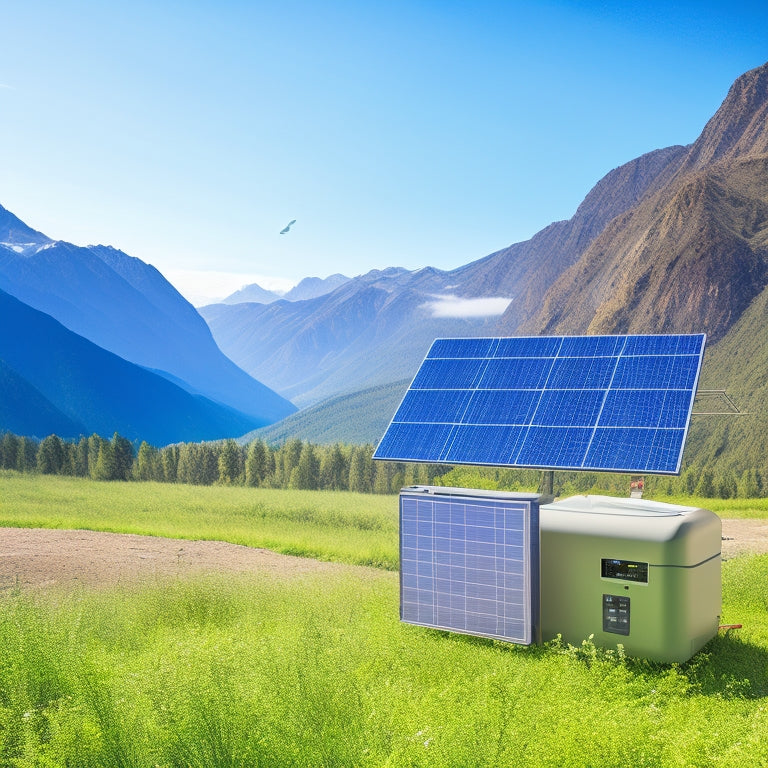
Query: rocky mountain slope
[(673, 241), (527, 270), (690, 255)]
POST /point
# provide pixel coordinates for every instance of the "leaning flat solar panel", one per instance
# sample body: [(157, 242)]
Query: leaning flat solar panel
[(606, 403), (469, 562)]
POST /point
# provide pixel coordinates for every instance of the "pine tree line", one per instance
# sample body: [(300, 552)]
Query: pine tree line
[(339, 467), (92, 456), (295, 464)]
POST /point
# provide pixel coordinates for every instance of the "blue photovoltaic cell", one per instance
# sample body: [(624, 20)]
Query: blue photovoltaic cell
[(448, 374), (611, 403), (619, 448), (470, 563), (513, 373), (501, 406), (646, 408), (564, 445), (581, 373), (591, 346), (438, 406), (471, 444), (570, 408), (462, 348), (423, 440), (526, 346)]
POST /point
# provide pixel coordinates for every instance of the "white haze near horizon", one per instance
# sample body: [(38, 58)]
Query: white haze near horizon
[(201, 287)]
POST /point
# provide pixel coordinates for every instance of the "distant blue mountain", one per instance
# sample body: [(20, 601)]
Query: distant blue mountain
[(252, 293), (24, 410), (371, 330), (312, 287), (308, 288), (127, 307), (53, 381)]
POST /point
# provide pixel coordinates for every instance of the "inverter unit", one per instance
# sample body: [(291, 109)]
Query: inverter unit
[(641, 573)]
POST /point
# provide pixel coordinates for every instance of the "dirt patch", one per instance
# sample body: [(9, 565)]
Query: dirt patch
[(35, 557), (744, 536)]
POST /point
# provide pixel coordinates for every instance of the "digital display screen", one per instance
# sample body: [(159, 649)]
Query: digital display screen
[(628, 570)]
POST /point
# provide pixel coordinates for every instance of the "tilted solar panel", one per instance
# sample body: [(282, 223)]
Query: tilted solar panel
[(469, 562), (607, 403)]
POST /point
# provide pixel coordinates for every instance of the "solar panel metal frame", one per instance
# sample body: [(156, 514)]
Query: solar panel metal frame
[(619, 403), (469, 562)]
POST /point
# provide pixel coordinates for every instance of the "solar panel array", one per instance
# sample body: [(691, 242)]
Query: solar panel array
[(608, 403), (470, 563)]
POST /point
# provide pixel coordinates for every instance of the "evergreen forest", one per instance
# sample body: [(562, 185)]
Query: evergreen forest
[(302, 465)]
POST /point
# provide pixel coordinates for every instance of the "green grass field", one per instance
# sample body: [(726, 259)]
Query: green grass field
[(318, 671), (727, 508), (345, 527), (360, 529)]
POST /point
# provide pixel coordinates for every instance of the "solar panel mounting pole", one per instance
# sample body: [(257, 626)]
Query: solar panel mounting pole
[(548, 482)]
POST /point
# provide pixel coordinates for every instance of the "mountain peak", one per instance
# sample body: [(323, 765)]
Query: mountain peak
[(740, 125), (14, 232), (313, 287), (251, 293)]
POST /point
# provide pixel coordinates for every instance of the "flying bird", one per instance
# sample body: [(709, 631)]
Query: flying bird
[(290, 224)]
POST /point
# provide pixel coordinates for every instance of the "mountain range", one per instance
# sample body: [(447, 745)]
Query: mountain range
[(372, 330), (673, 241), (53, 381), (308, 288), (126, 307)]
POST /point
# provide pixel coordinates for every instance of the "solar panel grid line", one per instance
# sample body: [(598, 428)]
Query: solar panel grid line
[(480, 430), (538, 404), (602, 404)]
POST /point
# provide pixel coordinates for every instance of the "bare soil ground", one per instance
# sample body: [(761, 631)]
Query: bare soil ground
[(35, 557)]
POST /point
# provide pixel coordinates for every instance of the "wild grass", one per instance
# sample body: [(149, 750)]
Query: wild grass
[(727, 508), (346, 527), (319, 672)]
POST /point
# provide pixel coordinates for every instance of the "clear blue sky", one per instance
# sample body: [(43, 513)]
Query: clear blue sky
[(188, 133)]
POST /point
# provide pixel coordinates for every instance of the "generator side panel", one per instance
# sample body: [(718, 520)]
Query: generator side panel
[(607, 588)]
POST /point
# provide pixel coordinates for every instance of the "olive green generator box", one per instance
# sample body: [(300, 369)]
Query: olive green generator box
[(638, 573)]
